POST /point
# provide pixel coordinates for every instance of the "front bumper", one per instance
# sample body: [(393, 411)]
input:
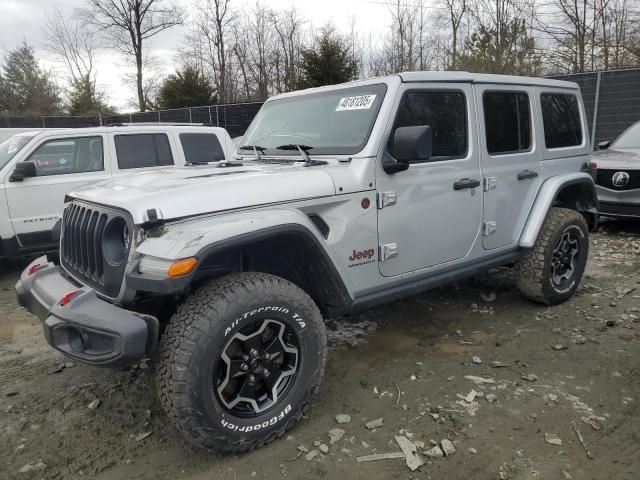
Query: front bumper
[(618, 203), (87, 328)]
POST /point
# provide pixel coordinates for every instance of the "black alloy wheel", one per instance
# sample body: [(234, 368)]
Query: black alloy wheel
[(563, 261), (257, 366)]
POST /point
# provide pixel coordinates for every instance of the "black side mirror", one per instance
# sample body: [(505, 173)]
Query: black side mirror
[(604, 145), (23, 170), (410, 144)]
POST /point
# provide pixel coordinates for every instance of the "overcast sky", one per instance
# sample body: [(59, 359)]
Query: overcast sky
[(23, 19)]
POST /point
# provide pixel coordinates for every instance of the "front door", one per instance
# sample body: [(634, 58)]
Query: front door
[(438, 209), (510, 161), (62, 164)]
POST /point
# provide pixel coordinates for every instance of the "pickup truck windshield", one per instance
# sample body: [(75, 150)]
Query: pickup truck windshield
[(630, 139), (330, 123), (11, 146)]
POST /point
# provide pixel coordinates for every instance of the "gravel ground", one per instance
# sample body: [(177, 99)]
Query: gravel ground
[(519, 390)]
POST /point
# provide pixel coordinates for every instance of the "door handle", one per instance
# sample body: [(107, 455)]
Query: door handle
[(466, 183), (526, 174)]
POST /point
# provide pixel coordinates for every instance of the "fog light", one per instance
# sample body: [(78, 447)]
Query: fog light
[(182, 267)]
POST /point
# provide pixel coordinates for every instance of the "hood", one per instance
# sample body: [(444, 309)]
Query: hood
[(617, 159), (187, 191)]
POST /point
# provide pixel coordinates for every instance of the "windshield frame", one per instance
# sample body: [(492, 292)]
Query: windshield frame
[(379, 88), (614, 145), (12, 155)]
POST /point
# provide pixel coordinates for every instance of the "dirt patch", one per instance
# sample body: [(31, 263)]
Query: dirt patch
[(414, 363)]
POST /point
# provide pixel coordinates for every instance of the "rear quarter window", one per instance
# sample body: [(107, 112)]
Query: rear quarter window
[(201, 147), (143, 150), (561, 120)]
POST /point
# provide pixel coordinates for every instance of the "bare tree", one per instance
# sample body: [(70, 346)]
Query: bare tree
[(128, 24), (456, 10), (620, 21), (73, 44), (572, 32), (214, 29), (288, 25)]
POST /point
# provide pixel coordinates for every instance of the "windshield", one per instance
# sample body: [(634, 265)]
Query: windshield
[(332, 122), (11, 146), (630, 139)]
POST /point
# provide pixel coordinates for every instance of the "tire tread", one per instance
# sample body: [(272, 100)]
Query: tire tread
[(175, 378), (530, 269)]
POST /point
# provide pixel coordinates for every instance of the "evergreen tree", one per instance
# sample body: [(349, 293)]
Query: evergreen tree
[(186, 88), (512, 52), (328, 62), (84, 99), (4, 96), (27, 89)]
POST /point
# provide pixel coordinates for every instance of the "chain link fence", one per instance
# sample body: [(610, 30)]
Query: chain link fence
[(611, 99), (235, 118)]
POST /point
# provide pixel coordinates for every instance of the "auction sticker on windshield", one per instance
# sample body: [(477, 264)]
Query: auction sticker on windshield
[(358, 102)]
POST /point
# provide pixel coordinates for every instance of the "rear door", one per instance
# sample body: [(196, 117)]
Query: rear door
[(438, 206), (63, 164), (510, 160)]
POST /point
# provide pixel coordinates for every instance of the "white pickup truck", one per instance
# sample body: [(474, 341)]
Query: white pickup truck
[(38, 168)]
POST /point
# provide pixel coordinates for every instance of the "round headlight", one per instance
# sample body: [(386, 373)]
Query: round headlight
[(116, 241)]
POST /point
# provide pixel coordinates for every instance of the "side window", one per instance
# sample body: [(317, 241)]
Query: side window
[(68, 155), (445, 113), (143, 150), (201, 147), (507, 120), (561, 118)]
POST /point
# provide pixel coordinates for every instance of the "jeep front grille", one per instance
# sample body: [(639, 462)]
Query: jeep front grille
[(82, 247)]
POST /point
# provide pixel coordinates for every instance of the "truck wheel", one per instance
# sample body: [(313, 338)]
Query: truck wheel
[(239, 361), (551, 271)]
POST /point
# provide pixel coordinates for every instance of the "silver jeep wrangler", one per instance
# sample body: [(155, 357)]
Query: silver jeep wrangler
[(340, 198)]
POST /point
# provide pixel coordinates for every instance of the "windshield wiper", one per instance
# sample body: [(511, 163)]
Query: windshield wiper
[(257, 149), (303, 149)]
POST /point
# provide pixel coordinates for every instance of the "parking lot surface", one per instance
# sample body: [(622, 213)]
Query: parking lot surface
[(523, 391)]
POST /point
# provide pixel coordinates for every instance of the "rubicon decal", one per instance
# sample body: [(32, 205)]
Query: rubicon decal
[(362, 257)]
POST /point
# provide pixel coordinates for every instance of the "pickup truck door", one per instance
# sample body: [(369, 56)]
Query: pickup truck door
[(430, 214), (63, 163), (510, 160)]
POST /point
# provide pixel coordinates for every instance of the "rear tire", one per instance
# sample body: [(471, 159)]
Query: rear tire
[(240, 360), (551, 271)]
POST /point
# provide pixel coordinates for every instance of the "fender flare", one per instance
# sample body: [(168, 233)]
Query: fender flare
[(547, 197), (214, 238)]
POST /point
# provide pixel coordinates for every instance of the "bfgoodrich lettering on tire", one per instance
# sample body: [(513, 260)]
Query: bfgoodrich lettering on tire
[(551, 271), (240, 360)]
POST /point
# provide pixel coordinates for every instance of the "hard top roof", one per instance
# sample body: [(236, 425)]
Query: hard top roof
[(442, 77), (129, 128), (466, 77)]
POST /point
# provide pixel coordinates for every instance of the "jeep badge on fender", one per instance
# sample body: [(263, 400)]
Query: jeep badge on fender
[(357, 255), (228, 284)]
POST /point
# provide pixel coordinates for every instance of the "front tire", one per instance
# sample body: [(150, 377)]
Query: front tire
[(240, 360), (551, 271)]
